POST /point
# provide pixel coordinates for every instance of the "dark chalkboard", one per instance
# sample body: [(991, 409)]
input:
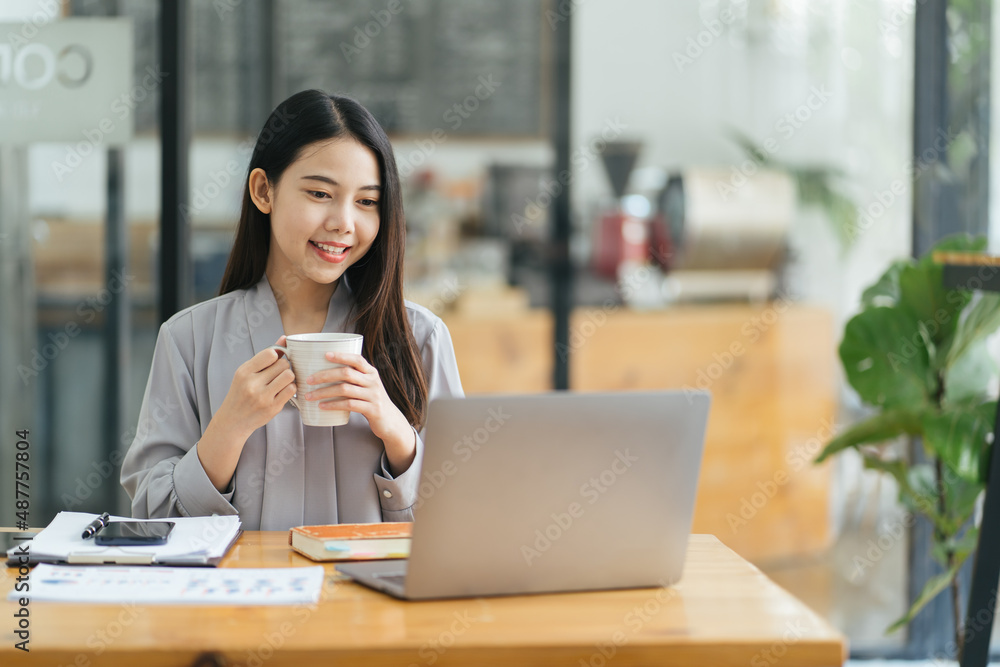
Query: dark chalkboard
[(474, 67), (466, 67)]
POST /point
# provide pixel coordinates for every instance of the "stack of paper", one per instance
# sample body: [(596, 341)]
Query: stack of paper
[(201, 540), (173, 585)]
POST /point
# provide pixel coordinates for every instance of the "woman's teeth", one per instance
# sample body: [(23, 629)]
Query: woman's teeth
[(329, 248)]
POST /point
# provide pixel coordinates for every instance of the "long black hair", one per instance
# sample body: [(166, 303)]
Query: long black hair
[(377, 279)]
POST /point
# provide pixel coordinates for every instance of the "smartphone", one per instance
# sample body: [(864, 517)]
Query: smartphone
[(134, 533)]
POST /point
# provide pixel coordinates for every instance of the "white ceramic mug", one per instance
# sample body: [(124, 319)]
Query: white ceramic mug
[(307, 354)]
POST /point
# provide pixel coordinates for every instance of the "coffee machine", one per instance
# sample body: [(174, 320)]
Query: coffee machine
[(730, 242), (620, 236)]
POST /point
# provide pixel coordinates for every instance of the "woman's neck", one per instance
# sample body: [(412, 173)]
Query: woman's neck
[(302, 303)]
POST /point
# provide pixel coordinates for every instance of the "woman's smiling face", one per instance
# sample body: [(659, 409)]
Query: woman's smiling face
[(324, 210)]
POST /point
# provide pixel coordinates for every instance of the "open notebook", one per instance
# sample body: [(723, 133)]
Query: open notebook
[(201, 540)]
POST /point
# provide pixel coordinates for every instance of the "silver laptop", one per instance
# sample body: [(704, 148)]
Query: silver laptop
[(550, 492)]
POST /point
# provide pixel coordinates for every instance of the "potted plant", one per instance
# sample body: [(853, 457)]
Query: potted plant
[(916, 354)]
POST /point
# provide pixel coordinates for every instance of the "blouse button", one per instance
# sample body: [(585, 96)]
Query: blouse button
[(387, 493)]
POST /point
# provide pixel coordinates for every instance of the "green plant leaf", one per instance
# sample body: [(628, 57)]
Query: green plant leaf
[(958, 438), (916, 495), (936, 309), (961, 495), (886, 359), (885, 292), (967, 380), (922, 291), (749, 147), (966, 545), (982, 319), (931, 590), (898, 470), (961, 546), (881, 427), (894, 467), (917, 286), (919, 492)]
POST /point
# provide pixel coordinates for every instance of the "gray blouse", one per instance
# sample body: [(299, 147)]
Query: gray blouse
[(288, 474)]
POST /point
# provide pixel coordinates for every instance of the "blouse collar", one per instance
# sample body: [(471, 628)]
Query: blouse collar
[(264, 320)]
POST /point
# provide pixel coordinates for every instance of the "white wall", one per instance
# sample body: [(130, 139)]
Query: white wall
[(37, 11)]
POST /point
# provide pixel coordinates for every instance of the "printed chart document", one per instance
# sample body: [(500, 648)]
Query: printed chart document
[(173, 585), (198, 540)]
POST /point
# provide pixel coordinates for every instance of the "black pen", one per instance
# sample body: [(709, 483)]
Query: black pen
[(96, 525)]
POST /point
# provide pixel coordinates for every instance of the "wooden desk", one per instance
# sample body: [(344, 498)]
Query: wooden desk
[(724, 612)]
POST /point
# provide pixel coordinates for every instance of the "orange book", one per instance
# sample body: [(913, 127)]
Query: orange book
[(352, 541)]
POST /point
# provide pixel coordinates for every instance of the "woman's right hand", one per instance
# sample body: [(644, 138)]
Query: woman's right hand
[(260, 388)]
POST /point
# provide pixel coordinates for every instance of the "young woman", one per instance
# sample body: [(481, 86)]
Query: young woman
[(319, 247)]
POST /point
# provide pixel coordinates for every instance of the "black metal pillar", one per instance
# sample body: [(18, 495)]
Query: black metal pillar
[(977, 191), (270, 81), (934, 213), (175, 135), (562, 268), (117, 321), (257, 64), (951, 99), (934, 209), (986, 570)]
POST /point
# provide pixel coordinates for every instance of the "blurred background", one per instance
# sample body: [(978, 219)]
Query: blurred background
[(599, 196)]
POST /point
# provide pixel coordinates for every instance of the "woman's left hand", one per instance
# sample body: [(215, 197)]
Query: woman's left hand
[(361, 390)]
